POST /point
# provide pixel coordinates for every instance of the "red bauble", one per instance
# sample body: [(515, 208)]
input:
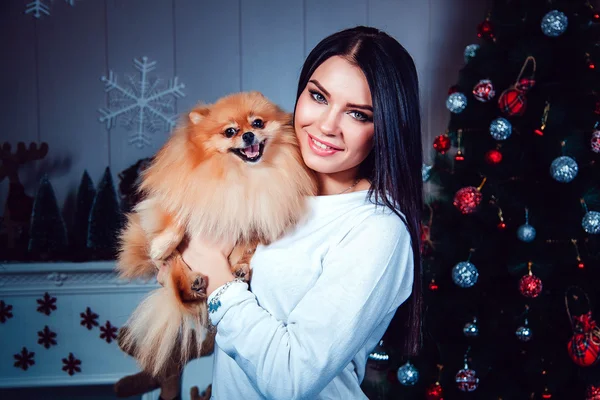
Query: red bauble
[(485, 30), (442, 143), (467, 199), (512, 102), (466, 380), (584, 345), (433, 286), (595, 142), (592, 393), (435, 392), (493, 157), (530, 286), (484, 90), (452, 89)]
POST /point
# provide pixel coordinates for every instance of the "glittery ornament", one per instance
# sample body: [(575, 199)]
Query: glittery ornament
[(456, 102), (591, 222), (485, 29), (564, 169), (434, 392), (466, 379), (465, 274), (592, 393), (442, 143), (526, 232), (595, 142), (584, 345), (523, 332), (530, 285), (379, 355), (471, 52), (554, 23), (408, 375), (500, 129), (426, 172), (493, 157), (512, 101), (484, 90), (471, 329), (467, 199)]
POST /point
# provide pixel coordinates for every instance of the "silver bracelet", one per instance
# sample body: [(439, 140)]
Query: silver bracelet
[(215, 302)]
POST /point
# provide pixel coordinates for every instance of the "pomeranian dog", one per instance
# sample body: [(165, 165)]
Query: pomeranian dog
[(231, 171)]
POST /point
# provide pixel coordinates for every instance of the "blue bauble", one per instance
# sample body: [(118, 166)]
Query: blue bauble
[(564, 169), (456, 102), (554, 23), (464, 274), (500, 129), (526, 233), (591, 222), (407, 374), (471, 52)]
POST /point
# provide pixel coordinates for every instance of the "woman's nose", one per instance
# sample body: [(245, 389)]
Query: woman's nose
[(329, 122)]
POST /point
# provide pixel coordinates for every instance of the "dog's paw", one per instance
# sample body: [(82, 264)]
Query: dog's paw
[(199, 285), (242, 271)]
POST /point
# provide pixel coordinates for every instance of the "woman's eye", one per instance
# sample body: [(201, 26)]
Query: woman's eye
[(229, 132), (258, 123), (318, 97), (359, 116)]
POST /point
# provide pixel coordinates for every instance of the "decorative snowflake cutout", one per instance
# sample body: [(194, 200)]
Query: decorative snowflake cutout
[(47, 304), (47, 337), (88, 319), (38, 8), (71, 364), (24, 359), (108, 332), (145, 106), (5, 311)]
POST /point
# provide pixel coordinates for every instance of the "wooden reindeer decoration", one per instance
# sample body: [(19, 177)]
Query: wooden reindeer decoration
[(17, 210)]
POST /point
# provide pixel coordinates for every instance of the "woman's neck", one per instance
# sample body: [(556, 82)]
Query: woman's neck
[(340, 182)]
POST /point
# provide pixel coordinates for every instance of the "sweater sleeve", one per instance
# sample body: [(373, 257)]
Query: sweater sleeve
[(367, 274)]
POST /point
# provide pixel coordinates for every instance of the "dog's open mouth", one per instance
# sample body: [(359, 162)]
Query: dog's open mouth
[(251, 153)]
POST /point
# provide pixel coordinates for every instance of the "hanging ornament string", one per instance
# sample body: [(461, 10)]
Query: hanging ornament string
[(594, 330), (540, 132), (512, 101)]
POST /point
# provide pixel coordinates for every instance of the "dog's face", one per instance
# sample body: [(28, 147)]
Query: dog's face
[(242, 126)]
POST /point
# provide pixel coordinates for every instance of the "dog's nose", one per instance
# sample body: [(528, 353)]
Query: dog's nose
[(248, 137)]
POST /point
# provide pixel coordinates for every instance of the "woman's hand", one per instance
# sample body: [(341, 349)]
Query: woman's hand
[(209, 258)]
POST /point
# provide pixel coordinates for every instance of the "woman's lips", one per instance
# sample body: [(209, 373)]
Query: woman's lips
[(319, 150)]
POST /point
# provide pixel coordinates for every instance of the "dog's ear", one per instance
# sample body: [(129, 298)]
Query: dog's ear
[(198, 114)]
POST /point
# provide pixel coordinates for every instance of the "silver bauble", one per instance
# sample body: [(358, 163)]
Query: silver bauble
[(526, 233), (456, 102), (464, 274), (500, 129), (591, 222), (564, 169), (554, 23), (407, 374)]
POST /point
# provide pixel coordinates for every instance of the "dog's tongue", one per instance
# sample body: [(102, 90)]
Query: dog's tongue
[(251, 151)]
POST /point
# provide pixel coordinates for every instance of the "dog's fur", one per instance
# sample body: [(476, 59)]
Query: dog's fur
[(199, 183)]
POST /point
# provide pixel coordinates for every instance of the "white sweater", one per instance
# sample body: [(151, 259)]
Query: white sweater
[(321, 299)]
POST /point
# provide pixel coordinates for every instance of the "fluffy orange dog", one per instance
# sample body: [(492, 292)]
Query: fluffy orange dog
[(232, 171)]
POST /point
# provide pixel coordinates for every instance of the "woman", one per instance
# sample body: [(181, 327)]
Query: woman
[(324, 295)]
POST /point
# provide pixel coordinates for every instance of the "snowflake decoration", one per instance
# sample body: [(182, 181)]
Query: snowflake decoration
[(88, 319), (71, 364), (145, 103), (47, 337), (47, 304), (5, 311), (108, 332), (38, 8), (24, 359)]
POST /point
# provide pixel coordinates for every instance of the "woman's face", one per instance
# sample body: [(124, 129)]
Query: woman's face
[(334, 118)]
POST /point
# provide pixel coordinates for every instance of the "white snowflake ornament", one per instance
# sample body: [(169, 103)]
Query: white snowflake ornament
[(144, 105), (38, 8)]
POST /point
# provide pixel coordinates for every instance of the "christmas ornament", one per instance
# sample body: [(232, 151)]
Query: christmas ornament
[(442, 143), (523, 332), (564, 169), (500, 129), (580, 263), (484, 90), (584, 345), (38, 8), (465, 378), (144, 107), (426, 172), (459, 154), (465, 274), (512, 101), (471, 52), (595, 142), (407, 374), (485, 29), (530, 285), (471, 329), (433, 286), (554, 23), (434, 392), (526, 232), (591, 222), (546, 394), (456, 102), (592, 393), (379, 355), (468, 198), (493, 157), (540, 131), (452, 89)]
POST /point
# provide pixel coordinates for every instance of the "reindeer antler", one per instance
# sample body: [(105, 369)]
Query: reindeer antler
[(11, 162)]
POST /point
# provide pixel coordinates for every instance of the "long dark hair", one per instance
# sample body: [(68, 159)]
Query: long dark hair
[(394, 165)]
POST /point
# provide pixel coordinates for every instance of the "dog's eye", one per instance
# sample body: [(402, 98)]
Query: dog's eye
[(258, 123), (229, 132)]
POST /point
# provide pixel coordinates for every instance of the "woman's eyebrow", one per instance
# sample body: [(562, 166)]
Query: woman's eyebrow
[(350, 105), (321, 88)]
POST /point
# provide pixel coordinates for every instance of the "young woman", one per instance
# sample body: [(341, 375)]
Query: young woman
[(324, 295)]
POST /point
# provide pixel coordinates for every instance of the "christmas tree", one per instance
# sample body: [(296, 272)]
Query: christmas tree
[(48, 234), (511, 238), (85, 198), (105, 220)]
